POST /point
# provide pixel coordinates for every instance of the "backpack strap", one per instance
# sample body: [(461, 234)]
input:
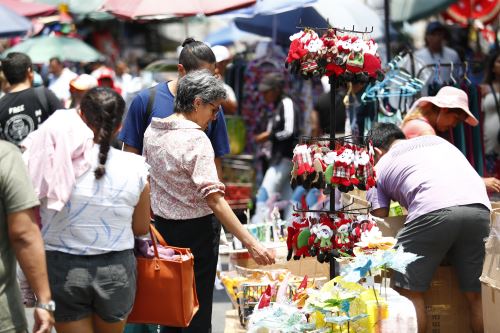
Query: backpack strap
[(42, 97), (149, 107)]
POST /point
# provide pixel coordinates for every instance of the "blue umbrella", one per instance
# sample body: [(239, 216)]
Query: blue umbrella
[(12, 24), (282, 25), (268, 7), (231, 34), (340, 13)]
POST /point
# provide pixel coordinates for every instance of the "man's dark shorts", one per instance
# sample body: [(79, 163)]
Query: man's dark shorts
[(458, 232), (103, 284)]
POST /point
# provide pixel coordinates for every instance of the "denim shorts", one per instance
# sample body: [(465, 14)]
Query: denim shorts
[(103, 284), (456, 233)]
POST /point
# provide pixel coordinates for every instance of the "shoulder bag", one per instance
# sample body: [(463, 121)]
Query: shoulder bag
[(166, 290)]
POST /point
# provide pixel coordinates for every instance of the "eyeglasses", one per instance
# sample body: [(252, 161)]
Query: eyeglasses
[(215, 109)]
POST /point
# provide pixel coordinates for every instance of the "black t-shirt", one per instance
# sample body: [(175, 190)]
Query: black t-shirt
[(285, 128), (22, 112), (323, 108)]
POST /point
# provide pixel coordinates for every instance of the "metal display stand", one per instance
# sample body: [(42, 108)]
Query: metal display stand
[(334, 83)]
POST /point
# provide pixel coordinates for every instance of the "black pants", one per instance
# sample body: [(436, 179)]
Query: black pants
[(201, 235)]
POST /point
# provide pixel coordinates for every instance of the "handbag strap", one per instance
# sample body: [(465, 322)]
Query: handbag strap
[(157, 234), (156, 237)]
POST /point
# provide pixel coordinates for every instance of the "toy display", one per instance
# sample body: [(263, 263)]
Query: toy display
[(345, 167), (346, 57)]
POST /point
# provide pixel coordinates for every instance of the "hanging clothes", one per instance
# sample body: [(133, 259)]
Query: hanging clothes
[(477, 131)]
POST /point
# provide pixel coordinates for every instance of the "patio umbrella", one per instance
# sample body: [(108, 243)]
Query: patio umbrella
[(41, 49), (77, 6), (463, 11), (230, 34), (413, 10), (340, 14), (267, 7), (145, 9), (12, 24), (29, 9), (281, 26)]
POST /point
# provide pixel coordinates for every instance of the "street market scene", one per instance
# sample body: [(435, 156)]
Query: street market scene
[(261, 166)]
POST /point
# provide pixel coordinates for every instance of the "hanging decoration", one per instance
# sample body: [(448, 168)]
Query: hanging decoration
[(346, 57), (331, 236), (348, 165)]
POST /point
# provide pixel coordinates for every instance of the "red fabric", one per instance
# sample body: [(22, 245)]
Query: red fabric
[(29, 9)]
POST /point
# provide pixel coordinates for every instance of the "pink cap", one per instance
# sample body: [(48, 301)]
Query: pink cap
[(451, 98)]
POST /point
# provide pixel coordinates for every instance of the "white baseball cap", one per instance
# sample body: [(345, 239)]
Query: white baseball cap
[(221, 53)]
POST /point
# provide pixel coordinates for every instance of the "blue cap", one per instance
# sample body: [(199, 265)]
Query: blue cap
[(435, 26)]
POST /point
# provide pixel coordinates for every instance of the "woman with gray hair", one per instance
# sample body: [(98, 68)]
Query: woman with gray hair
[(186, 192)]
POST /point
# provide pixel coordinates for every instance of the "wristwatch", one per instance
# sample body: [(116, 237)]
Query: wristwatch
[(50, 306)]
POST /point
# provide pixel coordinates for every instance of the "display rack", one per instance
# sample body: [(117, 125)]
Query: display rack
[(334, 84)]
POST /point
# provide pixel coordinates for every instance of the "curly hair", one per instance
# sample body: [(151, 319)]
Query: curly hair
[(201, 84)]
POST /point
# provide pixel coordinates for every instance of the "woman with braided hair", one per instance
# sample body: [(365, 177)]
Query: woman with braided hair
[(89, 233)]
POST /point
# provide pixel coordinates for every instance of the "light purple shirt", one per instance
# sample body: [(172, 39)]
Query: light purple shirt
[(425, 174)]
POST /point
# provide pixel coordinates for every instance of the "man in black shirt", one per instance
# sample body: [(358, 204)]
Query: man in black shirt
[(24, 108)]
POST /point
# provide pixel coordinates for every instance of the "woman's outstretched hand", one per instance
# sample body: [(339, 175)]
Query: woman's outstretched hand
[(260, 254)]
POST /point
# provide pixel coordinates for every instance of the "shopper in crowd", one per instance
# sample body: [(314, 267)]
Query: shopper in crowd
[(59, 79), (78, 87), (435, 52), (448, 212), (123, 78), (441, 113), (159, 102), (23, 108), (282, 132), (491, 108), (4, 85), (186, 192), (106, 78), (222, 58), (90, 212), (20, 238), (320, 115)]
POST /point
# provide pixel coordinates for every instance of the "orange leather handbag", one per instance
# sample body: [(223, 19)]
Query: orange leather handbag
[(166, 290)]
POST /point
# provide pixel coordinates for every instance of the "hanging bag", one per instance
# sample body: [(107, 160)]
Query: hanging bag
[(166, 290)]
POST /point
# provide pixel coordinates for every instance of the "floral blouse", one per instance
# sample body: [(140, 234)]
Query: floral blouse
[(183, 171)]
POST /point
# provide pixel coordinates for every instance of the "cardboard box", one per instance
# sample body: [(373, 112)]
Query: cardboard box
[(495, 204), (446, 306), (491, 308), (390, 226), (305, 266)]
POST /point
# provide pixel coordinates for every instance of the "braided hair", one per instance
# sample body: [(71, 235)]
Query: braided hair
[(103, 110)]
